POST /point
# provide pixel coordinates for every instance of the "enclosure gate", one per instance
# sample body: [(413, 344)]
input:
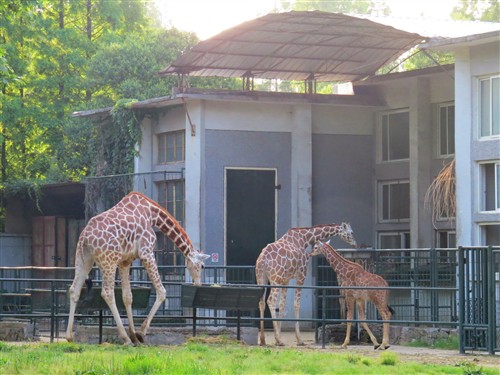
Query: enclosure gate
[(478, 298)]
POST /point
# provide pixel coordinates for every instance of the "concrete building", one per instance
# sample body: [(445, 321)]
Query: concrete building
[(250, 165)]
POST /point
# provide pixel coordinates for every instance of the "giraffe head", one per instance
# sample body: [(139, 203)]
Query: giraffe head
[(195, 262), (346, 233), (318, 248)]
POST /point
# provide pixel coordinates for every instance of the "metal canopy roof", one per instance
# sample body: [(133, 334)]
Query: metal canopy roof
[(297, 46)]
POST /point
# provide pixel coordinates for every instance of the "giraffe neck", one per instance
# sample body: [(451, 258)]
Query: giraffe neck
[(173, 230), (319, 232), (166, 223), (339, 264)]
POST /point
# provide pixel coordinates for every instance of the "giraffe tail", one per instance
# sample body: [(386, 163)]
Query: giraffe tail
[(391, 310)]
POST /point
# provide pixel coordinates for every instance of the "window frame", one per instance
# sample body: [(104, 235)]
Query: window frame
[(439, 151), (480, 100), (163, 138), (381, 148), (483, 204), (448, 233), (163, 199), (380, 202), (404, 236)]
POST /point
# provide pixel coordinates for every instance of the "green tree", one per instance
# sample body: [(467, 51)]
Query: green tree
[(477, 10), (342, 6)]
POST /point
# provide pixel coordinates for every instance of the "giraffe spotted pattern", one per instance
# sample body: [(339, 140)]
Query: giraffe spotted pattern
[(353, 274), (286, 259), (114, 239)]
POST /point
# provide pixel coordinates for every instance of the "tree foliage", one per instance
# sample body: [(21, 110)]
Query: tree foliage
[(60, 56), (342, 6), (477, 10)]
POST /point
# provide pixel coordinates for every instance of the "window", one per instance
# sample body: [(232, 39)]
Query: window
[(395, 136), (490, 235), (446, 135), (490, 186), (394, 201), (170, 196), (446, 239), (394, 240), (171, 147), (489, 106)]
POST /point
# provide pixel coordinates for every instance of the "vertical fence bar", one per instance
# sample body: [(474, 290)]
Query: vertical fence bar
[(52, 311), (323, 318), (461, 300), (434, 283), (490, 299)]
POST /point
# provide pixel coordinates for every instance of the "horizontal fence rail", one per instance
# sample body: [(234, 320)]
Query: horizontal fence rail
[(452, 288)]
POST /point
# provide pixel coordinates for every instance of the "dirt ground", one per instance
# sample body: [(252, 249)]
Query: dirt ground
[(405, 353)]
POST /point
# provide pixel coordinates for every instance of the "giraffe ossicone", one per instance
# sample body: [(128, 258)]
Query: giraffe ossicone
[(287, 259), (114, 239), (351, 274)]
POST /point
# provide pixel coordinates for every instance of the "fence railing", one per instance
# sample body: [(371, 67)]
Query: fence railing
[(462, 290)]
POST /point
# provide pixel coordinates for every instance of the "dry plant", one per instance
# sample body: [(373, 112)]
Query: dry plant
[(440, 197)]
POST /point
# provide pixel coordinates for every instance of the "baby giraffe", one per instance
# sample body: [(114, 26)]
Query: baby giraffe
[(353, 274)]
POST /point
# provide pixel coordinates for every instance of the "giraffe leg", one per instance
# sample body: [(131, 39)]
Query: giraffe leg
[(261, 280), (362, 317), (386, 316), (83, 265), (152, 269), (124, 270), (296, 307), (262, 307), (108, 294), (271, 303), (281, 314), (349, 301)]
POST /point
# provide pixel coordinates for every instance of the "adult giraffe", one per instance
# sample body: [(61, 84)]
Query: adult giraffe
[(353, 274), (286, 259), (114, 239)]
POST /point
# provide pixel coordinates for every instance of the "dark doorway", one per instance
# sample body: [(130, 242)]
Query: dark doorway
[(250, 218)]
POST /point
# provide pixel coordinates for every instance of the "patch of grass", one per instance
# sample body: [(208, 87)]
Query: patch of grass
[(471, 369), (195, 358), (450, 343), (388, 359)]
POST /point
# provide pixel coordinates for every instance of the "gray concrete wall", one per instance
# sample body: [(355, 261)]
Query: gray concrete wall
[(342, 183), (250, 150), (15, 250)]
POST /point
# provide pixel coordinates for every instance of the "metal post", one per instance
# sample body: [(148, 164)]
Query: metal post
[(461, 300), (434, 283), (52, 311), (490, 300), (100, 326), (238, 321), (194, 321), (323, 314)]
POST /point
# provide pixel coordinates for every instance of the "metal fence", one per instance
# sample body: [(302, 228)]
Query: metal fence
[(453, 288)]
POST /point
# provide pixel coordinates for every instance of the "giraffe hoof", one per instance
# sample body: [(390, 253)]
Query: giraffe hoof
[(301, 343), (140, 337), (279, 343)]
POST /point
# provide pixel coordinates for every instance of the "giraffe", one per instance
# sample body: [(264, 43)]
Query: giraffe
[(114, 239), (286, 259), (353, 274)]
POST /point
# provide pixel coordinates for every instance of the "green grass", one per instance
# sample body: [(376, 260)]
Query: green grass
[(450, 343), (206, 358)]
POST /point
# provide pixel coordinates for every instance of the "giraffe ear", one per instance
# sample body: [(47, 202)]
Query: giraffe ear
[(328, 242), (201, 257)]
